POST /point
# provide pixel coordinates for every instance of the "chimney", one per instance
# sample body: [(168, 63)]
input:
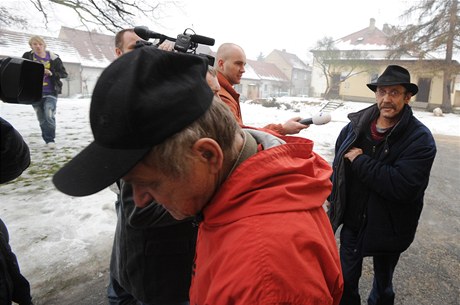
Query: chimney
[(386, 29), (372, 24)]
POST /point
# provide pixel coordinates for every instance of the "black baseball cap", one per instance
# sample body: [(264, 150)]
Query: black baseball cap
[(141, 99)]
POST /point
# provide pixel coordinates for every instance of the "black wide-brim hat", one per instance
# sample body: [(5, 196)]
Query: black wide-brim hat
[(395, 75), (140, 100)]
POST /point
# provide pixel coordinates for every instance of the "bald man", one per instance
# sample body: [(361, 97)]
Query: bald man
[(231, 61)]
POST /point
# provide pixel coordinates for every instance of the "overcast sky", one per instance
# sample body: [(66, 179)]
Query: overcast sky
[(259, 26)]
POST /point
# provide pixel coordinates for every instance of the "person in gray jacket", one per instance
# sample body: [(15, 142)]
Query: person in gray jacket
[(382, 165)]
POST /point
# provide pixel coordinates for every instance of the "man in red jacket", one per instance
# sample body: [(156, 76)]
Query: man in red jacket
[(264, 237), (145, 267)]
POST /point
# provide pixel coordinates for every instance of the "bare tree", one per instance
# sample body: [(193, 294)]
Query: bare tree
[(337, 65), (260, 57), (9, 19), (437, 30), (112, 15)]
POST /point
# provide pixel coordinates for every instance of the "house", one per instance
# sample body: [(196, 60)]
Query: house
[(84, 54), (14, 44), (350, 75), (298, 72), (262, 80), (96, 52)]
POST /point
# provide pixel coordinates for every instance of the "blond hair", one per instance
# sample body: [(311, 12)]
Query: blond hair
[(36, 39)]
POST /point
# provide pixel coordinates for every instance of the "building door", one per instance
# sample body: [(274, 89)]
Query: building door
[(253, 92), (335, 86), (424, 86)]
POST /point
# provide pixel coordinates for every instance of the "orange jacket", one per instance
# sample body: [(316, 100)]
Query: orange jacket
[(230, 97), (265, 238)]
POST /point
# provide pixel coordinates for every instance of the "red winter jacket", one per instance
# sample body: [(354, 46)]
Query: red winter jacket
[(265, 238)]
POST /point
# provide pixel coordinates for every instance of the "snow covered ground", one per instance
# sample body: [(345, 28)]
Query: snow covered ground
[(59, 239)]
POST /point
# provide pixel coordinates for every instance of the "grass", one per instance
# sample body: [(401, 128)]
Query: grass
[(45, 162)]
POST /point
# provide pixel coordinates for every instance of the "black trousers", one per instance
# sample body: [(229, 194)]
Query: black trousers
[(351, 258)]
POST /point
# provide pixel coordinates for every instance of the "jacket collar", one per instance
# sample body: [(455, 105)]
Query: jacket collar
[(363, 118), (225, 84)]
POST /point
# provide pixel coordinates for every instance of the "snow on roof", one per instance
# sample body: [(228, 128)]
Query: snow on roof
[(250, 73), (267, 71), (14, 44), (348, 46), (95, 49), (293, 60)]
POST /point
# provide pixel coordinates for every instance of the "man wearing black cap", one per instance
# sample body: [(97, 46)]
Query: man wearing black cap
[(263, 237), (382, 164), (146, 267)]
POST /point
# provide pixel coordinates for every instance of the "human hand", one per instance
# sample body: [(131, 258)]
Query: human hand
[(292, 126), (167, 45), (48, 72), (353, 153)]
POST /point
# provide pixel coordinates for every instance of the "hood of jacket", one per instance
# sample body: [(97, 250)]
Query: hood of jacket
[(279, 178)]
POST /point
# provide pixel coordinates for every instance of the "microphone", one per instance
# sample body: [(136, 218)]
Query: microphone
[(144, 33), (202, 39), (318, 119)]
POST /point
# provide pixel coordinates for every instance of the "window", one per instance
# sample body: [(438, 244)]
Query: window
[(374, 78)]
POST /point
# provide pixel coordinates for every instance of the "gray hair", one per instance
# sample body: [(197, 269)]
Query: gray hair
[(218, 123)]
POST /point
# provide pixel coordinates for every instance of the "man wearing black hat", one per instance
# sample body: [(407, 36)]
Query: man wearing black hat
[(152, 253), (263, 236), (382, 164)]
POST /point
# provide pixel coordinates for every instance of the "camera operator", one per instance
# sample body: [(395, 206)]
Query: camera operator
[(52, 86), (15, 158)]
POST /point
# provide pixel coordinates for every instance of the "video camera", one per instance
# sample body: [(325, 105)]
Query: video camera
[(185, 43), (21, 80)]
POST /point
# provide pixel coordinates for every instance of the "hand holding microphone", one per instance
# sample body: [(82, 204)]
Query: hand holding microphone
[(318, 119), (295, 125)]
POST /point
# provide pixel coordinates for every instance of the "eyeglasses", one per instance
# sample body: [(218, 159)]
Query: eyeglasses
[(391, 93)]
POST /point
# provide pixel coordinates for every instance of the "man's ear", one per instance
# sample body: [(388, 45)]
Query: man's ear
[(209, 151), (220, 63), (407, 97)]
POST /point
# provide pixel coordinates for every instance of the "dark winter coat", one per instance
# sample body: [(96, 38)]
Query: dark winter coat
[(14, 159), (13, 285), (56, 67), (153, 253), (14, 152), (396, 180)]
